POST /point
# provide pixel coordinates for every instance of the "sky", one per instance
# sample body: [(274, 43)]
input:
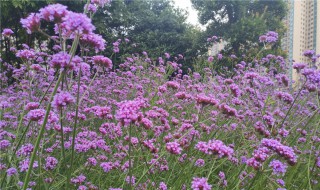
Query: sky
[(186, 4)]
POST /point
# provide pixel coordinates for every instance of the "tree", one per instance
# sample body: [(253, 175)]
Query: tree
[(154, 26), (241, 22)]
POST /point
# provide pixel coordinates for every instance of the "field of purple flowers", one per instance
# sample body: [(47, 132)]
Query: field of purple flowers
[(69, 120)]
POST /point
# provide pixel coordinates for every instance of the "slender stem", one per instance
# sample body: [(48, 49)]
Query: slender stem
[(62, 136), (36, 147), (74, 128), (130, 161)]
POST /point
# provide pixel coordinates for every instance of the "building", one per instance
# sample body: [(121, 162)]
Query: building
[(303, 30)]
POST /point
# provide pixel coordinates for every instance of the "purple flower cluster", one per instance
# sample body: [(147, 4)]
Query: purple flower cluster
[(200, 184), (61, 100), (7, 32), (51, 163), (215, 147), (31, 23), (62, 60), (286, 97), (269, 37), (53, 13), (282, 150), (77, 23), (173, 148), (278, 167), (128, 112), (102, 61)]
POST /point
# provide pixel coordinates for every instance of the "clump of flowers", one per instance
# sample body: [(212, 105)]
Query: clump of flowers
[(215, 147), (200, 184), (269, 37), (173, 148), (128, 112), (61, 100)]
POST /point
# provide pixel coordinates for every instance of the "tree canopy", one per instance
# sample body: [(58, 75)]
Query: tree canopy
[(241, 22)]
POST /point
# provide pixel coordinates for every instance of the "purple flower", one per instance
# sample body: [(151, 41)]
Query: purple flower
[(280, 182), (199, 163), (25, 150), (162, 186), (62, 60), (106, 166), (31, 106), (24, 165), (62, 100), (93, 40), (4, 144), (7, 32), (92, 161), (210, 59), (286, 97), (51, 163), (200, 184), (173, 148), (90, 8), (269, 37), (53, 13), (76, 23), (278, 167), (214, 147), (11, 171), (36, 114), (299, 66), (79, 179), (31, 23), (309, 53), (128, 112), (103, 61), (26, 54)]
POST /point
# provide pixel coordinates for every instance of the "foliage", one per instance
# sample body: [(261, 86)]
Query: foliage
[(241, 22)]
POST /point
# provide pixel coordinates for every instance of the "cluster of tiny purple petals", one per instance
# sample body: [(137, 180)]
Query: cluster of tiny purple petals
[(215, 147), (286, 97), (173, 148), (62, 99), (7, 32), (36, 114), (200, 184), (77, 23), (53, 13), (31, 23), (282, 150), (93, 40), (278, 167), (128, 112), (269, 37), (102, 61), (62, 60), (51, 163)]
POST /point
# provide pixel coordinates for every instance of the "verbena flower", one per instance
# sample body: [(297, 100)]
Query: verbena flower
[(54, 13), (200, 184), (62, 99), (31, 23)]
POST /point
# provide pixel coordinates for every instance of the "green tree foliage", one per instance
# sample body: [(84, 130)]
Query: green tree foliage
[(154, 26), (241, 22)]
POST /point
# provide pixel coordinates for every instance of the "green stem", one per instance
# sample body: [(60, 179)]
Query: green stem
[(74, 128), (130, 161)]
